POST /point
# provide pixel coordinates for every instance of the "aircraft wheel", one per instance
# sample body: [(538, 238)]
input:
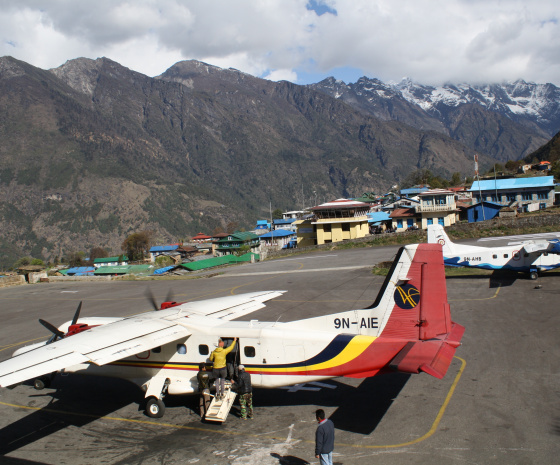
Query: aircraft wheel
[(155, 408), (39, 384), (533, 275)]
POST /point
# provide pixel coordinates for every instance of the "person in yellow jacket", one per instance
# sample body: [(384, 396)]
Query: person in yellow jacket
[(218, 356)]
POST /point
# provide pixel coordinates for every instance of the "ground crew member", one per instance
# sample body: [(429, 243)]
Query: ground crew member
[(245, 391), (218, 356), (324, 439), (204, 381)]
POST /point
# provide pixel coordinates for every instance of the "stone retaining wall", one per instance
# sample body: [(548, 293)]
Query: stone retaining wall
[(12, 280), (57, 279)]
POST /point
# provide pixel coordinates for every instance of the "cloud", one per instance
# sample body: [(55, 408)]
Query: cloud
[(432, 41)]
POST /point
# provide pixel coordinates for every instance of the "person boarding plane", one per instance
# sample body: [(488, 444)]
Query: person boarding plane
[(529, 256), (407, 329)]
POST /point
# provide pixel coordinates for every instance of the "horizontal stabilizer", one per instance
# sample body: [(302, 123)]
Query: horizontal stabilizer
[(432, 357)]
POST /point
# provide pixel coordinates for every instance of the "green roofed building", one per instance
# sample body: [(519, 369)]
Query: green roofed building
[(119, 260), (234, 242)]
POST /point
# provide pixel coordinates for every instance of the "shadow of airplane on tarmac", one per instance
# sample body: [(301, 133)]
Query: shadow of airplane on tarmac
[(358, 409), (90, 398)]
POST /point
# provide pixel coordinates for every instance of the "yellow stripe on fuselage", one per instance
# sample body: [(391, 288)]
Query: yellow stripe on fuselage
[(354, 349)]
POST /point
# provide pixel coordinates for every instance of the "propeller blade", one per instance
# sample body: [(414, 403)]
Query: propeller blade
[(53, 329), (77, 314), (151, 298), (169, 296)]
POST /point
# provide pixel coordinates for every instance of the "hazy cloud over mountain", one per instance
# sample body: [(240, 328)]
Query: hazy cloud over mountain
[(431, 41)]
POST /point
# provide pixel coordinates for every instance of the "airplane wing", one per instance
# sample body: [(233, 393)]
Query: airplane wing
[(552, 246), (99, 345), (231, 307), (130, 336)]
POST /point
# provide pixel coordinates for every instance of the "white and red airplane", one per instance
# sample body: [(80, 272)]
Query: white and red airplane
[(407, 329)]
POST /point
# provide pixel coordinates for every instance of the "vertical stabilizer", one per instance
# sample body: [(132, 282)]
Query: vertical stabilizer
[(437, 235)]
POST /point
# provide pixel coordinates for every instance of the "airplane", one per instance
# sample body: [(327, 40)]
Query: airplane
[(529, 256), (407, 329)]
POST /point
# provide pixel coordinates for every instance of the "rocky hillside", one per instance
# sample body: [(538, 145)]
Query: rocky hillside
[(93, 151), (504, 121)]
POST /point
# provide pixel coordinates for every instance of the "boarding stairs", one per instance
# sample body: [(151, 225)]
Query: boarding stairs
[(219, 408)]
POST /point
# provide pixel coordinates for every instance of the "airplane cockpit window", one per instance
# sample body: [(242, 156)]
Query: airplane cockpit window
[(181, 349), (156, 350), (203, 349), (249, 351)]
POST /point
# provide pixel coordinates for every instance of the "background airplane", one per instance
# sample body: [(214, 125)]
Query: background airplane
[(530, 256), (407, 329)]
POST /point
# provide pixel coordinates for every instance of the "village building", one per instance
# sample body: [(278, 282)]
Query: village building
[(119, 260), (279, 239), (335, 221), (234, 242), (201, 238), (521, 192)]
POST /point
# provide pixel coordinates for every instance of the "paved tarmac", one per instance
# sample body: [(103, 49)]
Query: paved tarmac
[(498, 404)]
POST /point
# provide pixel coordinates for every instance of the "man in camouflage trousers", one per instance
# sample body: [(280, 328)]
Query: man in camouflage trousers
[(245, 391)]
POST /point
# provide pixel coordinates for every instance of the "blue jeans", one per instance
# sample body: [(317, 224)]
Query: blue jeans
[(325, 459)]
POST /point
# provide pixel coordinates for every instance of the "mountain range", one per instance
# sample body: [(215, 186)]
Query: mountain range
[(92, 151)]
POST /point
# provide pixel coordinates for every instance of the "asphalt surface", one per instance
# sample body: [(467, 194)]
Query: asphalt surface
[(498, 404)]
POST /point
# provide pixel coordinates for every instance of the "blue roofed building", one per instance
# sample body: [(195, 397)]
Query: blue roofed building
[(482, 211), (263, 226), (378, 221), (279, 239), (521, 192), (158, 250), (286, 223)]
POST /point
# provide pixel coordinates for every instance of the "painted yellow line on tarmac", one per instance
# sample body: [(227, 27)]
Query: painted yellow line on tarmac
[(430, 432), (483, 298), (15, 344)]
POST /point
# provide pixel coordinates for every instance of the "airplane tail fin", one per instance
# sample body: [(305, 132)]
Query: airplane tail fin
[(437, 235), (414, 296)]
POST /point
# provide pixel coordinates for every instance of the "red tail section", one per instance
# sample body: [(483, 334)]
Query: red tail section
[(421, 313)]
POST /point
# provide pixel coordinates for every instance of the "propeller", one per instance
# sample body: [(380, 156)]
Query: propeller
[(169, 296), (151, 298), (77, 314), (57, 333)]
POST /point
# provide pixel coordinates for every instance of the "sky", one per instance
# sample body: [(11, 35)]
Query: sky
[(303, 41)]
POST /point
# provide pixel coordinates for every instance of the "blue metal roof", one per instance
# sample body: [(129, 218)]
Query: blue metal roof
[(284, 221), (165, 269), (414, 190), (512, 183), (278, 233), (80, 270), (164, 248), (375, 217), (486, 203)]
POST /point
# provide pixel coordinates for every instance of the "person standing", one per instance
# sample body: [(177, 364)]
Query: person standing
[(245, 391), (324, 438), (204, 381), (218, 356)]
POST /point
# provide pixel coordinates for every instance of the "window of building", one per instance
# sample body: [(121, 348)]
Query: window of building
[(181, 349), (430, 221), (409, 222), (542, 195), (527, 196), (203, 349), (499, 197), (346, 227), (511, 197), (327, 228), (441, 221), (399, 223), (249, 351)]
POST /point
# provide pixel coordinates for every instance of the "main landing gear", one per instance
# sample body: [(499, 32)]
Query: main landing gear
[(155, 408)]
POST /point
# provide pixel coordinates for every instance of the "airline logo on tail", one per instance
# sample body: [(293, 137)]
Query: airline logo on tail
[(407, 296)]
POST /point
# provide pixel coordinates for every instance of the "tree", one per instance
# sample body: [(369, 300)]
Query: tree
[(232, 226), (23, 261), (164, 260), (242, 250), (217, 230), (277, 214), (456, 179), (97, 252), (37, 261), (75, 259), (137, 245)]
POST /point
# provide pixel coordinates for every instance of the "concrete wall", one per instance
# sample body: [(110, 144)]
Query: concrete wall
[(12, 280), (36, 277)]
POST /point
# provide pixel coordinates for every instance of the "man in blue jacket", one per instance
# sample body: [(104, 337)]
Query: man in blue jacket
[(324, 438)]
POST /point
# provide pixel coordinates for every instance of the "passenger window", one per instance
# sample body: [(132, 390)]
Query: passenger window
[(181, 349), (494, 256), (156, 350), (249, 351), (203, 349), (505, 255)]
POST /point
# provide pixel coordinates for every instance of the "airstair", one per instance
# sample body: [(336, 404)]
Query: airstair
[(219, 408)]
